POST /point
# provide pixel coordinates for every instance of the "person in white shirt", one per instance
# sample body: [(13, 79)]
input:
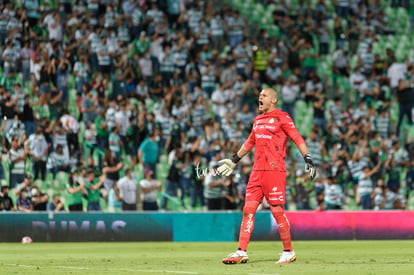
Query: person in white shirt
[(290, 91), (150, 189), (126, 190), (54, 27), (357, 78), (71, 125), (334, 196), (396, 72), (59, 161), (17, 159), (219, 100), (38, 150)]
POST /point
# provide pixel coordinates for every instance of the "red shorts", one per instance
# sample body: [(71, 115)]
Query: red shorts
[(268, 184)]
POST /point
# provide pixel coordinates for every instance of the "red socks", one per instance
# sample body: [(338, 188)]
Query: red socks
[(283, 226), (247, 224)]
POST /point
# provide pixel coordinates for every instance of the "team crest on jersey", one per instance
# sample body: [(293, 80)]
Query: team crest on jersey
[(272, 120)]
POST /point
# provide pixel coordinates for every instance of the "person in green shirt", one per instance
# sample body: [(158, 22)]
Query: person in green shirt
[(75, 188), (141, 45), (309, 57), (92, 186), (102, 134)]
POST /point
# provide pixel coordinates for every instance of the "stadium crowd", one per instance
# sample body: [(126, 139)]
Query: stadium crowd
[(129, 104)]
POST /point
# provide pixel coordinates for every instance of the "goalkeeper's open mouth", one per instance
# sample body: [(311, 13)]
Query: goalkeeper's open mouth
[(260, 105)]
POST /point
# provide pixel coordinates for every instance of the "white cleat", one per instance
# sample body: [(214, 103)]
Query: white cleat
[(287, 257), (238, 257)]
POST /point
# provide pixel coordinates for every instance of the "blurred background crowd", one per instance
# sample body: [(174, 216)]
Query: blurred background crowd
[(127, 105)]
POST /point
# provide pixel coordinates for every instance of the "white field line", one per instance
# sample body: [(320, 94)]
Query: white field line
[(107, 269)]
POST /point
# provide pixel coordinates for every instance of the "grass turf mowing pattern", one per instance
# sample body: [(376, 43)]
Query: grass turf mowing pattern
[(313, 257)]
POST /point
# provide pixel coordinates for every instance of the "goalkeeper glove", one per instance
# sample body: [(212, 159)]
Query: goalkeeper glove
[(228, 165), (309, 166)]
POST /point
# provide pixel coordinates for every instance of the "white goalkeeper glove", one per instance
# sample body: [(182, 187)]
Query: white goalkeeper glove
[(309, 166), (228, 165)]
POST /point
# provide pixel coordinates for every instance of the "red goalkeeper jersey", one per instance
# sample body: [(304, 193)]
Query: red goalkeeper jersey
[(269, 134)]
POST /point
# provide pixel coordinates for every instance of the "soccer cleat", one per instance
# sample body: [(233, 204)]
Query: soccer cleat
[(237, 257), (287, 257)]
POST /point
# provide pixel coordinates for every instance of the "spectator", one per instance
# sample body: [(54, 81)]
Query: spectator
[(405, 95), (81, 71), (217, 28), (6, 202), (196, 181), (385, 199), (235, 25), (396, 71), (172, 181), (114, 205), (308, 56), (150, 188), (59, 161), (38, 148), (126, 189), (302, 190), (75, 189), (149, 150), (230, 195), (316, 148), (115, 143), (334, 196), (27, 117), (89, 103), (340, 62), (17, 157), (71, 126), (319, 119), (56, 205), (102, 133), (92, 188), (39, 199), (290, 92), (24, 201), (365, 190), (213, 189), (111, 167)]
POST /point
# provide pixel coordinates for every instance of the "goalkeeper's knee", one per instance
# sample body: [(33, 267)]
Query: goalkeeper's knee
[(250, 208)]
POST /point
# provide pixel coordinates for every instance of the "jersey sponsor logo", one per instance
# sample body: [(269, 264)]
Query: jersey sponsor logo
[(280, 198), (276, 198), (263, 136), (266, 127), (275, 192)]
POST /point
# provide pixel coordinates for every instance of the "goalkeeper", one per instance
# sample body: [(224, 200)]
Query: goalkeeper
[(269, 135)]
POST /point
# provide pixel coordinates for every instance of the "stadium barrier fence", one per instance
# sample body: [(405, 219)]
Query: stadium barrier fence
[(201, 227)]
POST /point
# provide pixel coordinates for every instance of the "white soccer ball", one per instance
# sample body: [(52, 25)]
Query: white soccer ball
[(27, 239)]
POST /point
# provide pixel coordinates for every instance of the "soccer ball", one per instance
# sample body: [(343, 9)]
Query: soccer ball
[(26, 240)]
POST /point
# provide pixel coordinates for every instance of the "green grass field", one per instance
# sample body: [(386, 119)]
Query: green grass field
[(313, 257)]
